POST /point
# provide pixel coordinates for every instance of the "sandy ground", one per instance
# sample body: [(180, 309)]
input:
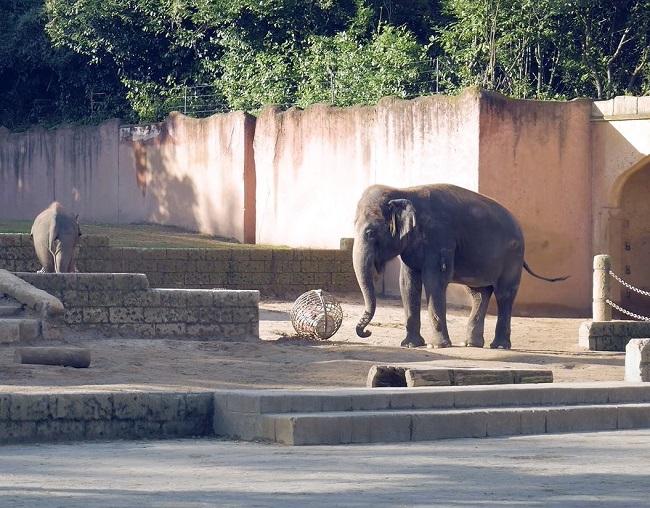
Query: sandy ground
[(282, 360)]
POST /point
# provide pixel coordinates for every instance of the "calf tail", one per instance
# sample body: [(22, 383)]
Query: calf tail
[(52, 235), (556, 279)]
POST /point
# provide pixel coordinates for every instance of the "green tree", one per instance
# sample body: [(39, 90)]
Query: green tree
[(42, 84), (344, 70), (609, 44), (548, 48)]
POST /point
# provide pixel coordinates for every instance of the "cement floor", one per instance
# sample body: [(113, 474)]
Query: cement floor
[(570, 470)]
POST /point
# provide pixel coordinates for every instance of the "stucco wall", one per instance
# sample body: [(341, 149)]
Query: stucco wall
[(535, 160), (189, 172), (194, 173), (76, 165), (312, 165), (621, 146)]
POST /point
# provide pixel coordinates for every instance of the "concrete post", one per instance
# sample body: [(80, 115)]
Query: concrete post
[(637, 360), (601, 291)]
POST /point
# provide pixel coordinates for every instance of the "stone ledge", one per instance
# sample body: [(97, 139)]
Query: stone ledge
[(611, 335), (123, 304), (104, 415)]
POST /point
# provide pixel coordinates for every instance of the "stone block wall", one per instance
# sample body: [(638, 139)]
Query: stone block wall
[(287, 272), (123, 304), (17, 253), (103, 415)]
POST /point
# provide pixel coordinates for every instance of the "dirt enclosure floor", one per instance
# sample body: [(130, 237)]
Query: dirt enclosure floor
[(282, 360)]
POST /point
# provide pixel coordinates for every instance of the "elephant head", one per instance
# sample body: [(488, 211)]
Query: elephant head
[(382, 227)]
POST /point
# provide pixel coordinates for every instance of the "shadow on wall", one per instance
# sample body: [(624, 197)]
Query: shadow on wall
[(169, 198), (184, 174)]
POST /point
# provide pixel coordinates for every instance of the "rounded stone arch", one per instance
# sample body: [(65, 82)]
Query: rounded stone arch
[(630, 233), (616, 192)]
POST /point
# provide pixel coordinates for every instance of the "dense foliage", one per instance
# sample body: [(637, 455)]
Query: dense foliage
[(85, 60)]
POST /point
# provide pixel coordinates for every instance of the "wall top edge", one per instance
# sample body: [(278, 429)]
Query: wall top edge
[(5, 132), (621, 106)]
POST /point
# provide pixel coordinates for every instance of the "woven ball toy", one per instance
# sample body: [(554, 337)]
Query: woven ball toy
[(317, 314)]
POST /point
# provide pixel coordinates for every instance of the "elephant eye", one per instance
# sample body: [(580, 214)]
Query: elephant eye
[(370, 234)]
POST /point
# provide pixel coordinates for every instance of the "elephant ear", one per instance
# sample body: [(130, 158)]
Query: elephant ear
[(402, 217)]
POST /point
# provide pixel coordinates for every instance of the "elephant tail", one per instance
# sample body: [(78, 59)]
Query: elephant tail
[(556, 279), (53, 233)]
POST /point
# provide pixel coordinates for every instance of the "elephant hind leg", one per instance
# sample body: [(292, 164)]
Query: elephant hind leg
[(505, 300), (476, 324)]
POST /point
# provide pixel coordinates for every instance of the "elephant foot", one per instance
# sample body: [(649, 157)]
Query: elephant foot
[(503, 344), (441, 344), (413, 341), (469, 343)]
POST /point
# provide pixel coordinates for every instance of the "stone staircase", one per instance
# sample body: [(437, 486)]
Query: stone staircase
[(341, 416), (17, 323)]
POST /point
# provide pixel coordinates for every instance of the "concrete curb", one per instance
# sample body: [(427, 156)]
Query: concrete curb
[(411, 414), (34, 417), (328, 416)]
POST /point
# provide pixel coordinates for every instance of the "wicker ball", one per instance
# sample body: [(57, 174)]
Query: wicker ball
[(316, 313)]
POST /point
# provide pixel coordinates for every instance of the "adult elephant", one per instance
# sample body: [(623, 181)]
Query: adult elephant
[(442, 233)]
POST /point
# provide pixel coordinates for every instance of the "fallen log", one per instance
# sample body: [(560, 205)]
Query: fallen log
[(413, 375), (65, 356)]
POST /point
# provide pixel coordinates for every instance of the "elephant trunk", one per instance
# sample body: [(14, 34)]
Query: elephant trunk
[(363, 268)]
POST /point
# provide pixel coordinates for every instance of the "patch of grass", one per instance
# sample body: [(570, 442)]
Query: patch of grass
[(15, 226), (146, 236)]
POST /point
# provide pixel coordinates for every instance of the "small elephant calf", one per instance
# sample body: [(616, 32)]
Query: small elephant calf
[(56, 235)]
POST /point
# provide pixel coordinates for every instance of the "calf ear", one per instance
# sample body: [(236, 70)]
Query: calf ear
[(402, 217)]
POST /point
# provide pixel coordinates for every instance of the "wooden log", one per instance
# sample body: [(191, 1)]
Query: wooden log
[(465, 377), (533, 376), (385, 375), (428, 377), (443, 376), (65, 356)]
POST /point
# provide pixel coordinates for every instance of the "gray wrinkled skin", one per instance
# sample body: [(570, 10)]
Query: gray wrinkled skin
[(443, 234), (56, 234)]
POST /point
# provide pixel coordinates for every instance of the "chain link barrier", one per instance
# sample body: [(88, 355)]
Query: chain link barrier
[(631, 288)]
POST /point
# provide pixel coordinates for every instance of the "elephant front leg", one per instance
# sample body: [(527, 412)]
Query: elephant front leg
[(476, 324), (435, 288), (410, 285)]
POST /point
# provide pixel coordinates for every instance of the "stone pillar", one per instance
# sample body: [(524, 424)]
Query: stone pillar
[(347, 243), (637, 360), (601, 290)]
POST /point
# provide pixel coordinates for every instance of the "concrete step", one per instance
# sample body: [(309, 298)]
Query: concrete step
[(9, 306), (342, 416), (19, 329), (426, 425)]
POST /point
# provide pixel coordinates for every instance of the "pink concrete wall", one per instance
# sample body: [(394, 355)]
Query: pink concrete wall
[(312, 165), (190, 173), (186, 172), (76, 165), (620, 149), (535, 160)]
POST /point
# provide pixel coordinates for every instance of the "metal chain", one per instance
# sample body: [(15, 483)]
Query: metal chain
[(629, 286), (625, 311)]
